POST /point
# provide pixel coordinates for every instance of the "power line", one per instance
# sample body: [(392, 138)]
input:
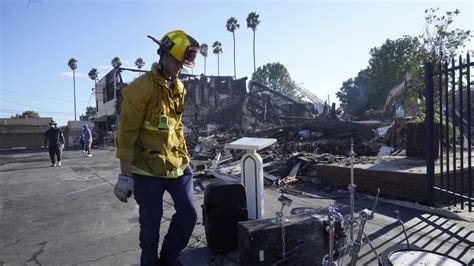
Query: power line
[(5, 115), (37, 108), (90, 98), (22, 104), (44, 97), (42, 114), (45, 112)]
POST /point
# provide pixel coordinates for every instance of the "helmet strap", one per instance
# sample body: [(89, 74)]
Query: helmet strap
[(161, 53), (160, 70)]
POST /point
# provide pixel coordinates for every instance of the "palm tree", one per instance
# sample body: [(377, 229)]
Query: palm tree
[(252, 22), (72, 63), (232, 25), (203, 51), (116, 62), (93, 74), (217, 49), (139, 63)]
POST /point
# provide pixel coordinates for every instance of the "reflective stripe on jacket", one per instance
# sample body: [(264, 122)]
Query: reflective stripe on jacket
[(150, 132)]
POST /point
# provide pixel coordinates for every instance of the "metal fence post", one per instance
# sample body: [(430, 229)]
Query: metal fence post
[(429, 121)]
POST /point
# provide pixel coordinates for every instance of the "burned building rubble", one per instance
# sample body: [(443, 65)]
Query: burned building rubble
[(221, 105), (309, 133), (212, 102), (313, 142)]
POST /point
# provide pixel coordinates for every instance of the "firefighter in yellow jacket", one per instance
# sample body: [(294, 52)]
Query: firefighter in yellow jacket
[(152, 150)]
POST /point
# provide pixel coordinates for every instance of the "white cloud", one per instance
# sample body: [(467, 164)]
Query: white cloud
[(105, 67), (78, 74)]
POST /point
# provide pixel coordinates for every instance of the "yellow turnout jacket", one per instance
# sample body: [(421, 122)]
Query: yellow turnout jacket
[(150, 132)]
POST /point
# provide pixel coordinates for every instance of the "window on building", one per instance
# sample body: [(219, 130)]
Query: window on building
[(110, 91)]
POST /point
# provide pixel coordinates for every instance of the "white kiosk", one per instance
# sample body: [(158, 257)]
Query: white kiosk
[(252, 172)]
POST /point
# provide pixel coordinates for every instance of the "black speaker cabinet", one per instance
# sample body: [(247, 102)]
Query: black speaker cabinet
[(224, 206), (306, 241)]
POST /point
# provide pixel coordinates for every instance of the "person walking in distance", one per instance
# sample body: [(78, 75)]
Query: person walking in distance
[(53, 139), (87, 137), (152, 150), (81, 141)]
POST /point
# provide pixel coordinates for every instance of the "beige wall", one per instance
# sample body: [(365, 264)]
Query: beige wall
[(22, 129), (28, 140), (72, 135)]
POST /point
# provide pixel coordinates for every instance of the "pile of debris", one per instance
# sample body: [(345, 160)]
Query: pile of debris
[(220, 111)]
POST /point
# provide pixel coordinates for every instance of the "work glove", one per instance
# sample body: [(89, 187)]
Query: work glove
[(124, 188)]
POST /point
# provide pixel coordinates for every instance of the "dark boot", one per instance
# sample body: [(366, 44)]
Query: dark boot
[(164, 262)]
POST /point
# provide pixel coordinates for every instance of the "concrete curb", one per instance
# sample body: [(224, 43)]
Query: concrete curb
[(415, 206), (431, 210)]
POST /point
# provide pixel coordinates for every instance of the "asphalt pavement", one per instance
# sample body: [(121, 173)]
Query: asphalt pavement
[(69, 215)]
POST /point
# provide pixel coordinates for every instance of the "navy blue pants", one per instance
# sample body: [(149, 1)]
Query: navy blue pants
[(54, 152), (149, 196)]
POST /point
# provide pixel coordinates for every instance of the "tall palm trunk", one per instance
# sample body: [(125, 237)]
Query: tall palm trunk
[(205, 66), (235, 75), (74, 89), (218, 73), (254, 69)]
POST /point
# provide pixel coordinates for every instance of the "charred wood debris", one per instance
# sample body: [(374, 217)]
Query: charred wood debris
[(220, 110)]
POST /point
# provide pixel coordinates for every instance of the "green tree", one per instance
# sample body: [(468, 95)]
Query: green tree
[(72, 63), (390, 62), (93, 74), (388, 65), (26, 114), (217, 49), (139, 63), (276, 77), (252, 22), (441, 43), (116, 62), (203, 51), (440, 40), (91, 113), (231, 25), (354, 94)]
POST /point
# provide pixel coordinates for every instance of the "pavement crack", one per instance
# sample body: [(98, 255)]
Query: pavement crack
[(110, 255), (34, 257), (104, 179), (12, 244)]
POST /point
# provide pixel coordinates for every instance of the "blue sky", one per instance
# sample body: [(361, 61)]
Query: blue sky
[(322, 43)]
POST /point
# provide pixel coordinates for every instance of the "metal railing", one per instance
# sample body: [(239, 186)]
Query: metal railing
[(448, 87)]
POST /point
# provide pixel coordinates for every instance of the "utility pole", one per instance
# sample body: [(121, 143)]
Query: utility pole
[(74, 88)]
